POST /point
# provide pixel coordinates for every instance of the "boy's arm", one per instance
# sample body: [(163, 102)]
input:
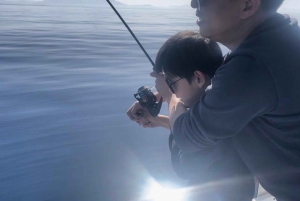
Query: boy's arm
[(176, 108), (147, 121), (154, 122)]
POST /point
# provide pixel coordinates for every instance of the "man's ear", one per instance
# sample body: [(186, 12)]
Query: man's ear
[(249, 8), (200, 78)]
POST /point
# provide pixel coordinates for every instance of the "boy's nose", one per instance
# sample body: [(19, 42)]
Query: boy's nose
[(153, 74)]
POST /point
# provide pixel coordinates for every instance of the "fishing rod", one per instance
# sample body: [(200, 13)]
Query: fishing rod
[(138, 42), (144, 95)]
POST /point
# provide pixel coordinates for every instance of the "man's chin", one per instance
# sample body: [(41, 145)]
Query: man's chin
[(203, 33)]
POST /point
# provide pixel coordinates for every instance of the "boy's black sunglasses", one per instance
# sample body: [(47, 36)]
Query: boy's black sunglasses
[(171, 84)]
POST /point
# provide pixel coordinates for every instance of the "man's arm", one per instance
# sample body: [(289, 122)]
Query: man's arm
[(241, 90)]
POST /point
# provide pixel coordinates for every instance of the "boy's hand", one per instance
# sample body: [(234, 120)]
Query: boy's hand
[(148, 121), (136, 111)]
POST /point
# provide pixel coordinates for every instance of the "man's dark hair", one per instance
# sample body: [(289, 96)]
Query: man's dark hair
[(271, 5), (186, 52)]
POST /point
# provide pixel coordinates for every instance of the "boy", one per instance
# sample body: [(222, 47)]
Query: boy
[(185, 65)]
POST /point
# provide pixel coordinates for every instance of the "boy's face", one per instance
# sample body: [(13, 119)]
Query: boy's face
[(189, 93), (160, 84)]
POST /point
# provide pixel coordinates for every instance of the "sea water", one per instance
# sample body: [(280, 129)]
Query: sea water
[(67, 76)]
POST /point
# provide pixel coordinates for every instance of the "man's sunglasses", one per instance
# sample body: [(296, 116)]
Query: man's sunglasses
[(171, 84), (200, 3)]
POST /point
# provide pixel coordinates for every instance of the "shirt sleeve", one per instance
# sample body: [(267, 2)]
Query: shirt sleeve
[(241, 90)]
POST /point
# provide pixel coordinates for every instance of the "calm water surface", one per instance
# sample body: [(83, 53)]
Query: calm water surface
[(67, 77)]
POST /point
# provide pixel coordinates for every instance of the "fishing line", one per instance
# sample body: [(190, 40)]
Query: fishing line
[(128, 28), (88, 14)]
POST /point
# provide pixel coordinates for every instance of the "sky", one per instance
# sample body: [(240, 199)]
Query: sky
[(163, 3)]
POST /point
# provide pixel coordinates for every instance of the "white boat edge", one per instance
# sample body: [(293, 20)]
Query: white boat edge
[(263, 195)]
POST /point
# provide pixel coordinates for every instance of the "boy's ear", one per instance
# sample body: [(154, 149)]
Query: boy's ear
[(200, 78)]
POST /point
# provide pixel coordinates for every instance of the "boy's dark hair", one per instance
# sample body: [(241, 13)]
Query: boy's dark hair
[(186, 52), (271, 5)]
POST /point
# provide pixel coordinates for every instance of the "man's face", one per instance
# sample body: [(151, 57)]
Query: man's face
[(218, 19), (188, 93)]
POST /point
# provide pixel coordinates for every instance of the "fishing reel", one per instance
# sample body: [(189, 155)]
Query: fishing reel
[(148, 100)]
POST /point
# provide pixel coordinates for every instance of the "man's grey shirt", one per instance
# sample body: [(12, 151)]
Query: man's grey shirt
[(254, 99)]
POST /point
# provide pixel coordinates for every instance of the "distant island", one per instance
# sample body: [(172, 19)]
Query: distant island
[(63, 2), (98, 3)]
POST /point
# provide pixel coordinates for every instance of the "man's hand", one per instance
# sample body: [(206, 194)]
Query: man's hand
[(293, 21)]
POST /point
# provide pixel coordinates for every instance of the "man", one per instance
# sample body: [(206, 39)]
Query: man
[(254, 97)]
